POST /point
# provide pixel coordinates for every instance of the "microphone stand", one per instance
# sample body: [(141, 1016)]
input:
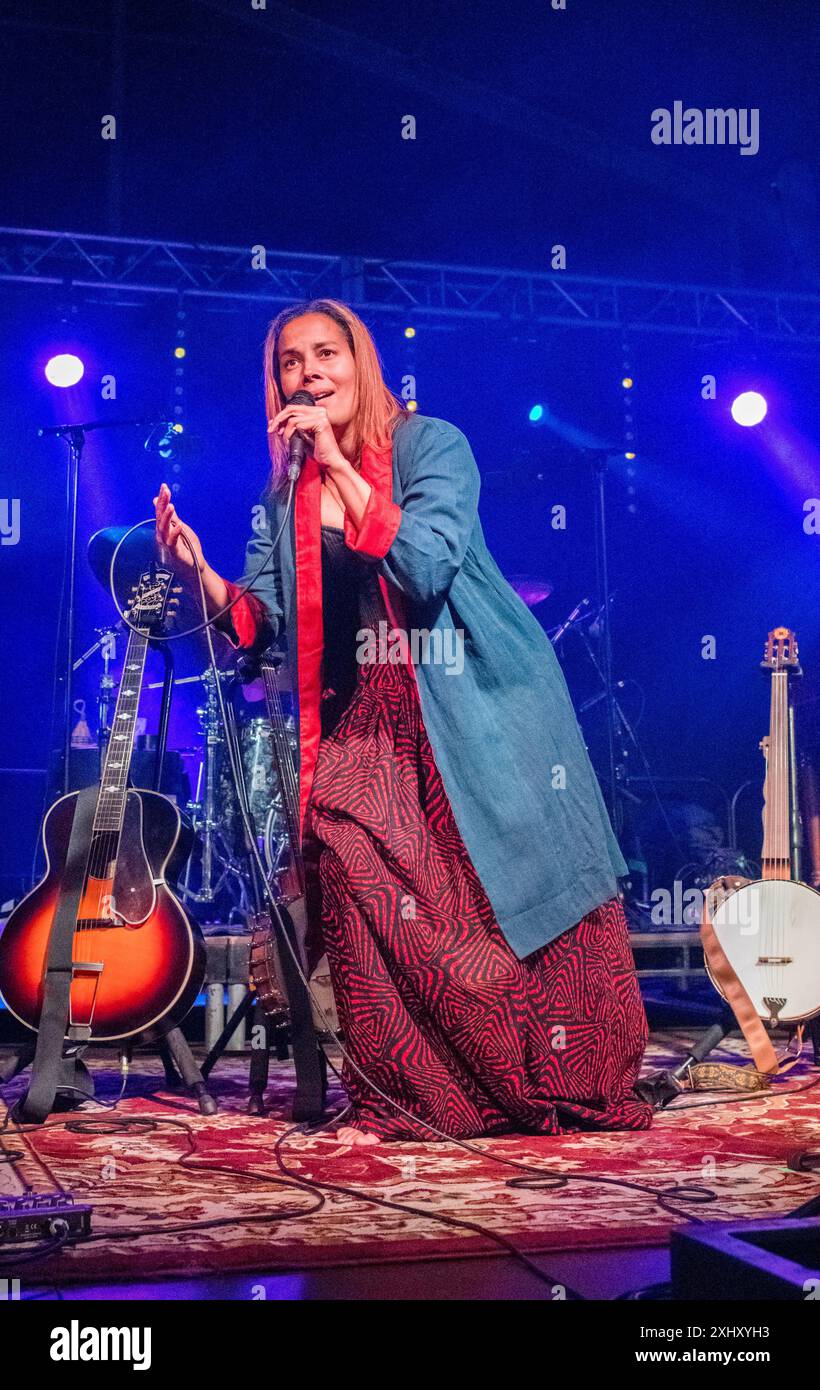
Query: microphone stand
[(74, 436), (105, 693), (662, 1087), (599, 456), (600, 461)]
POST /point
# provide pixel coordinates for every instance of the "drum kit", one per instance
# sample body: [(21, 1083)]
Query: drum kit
[(215, 884)]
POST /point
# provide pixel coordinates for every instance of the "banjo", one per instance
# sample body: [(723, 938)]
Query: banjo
[(769, 928)]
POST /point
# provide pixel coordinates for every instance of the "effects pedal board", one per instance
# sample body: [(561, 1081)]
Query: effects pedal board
[(31, 1217)]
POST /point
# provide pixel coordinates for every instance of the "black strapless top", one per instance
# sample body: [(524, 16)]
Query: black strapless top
[(351, 599)]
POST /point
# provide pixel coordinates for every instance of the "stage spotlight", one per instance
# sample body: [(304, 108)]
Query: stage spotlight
[(179, 352), (409, 332), (749, 408), (536, 414), (64, 370), (412, 405), (627, 383)]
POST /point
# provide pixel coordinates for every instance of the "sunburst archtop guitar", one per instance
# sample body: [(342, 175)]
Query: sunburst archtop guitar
[(138, 962)]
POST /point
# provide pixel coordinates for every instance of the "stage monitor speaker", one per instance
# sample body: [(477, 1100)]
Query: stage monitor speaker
[(775, 1259)]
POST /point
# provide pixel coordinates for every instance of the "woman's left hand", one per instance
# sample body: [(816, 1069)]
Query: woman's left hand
[(312, 421)]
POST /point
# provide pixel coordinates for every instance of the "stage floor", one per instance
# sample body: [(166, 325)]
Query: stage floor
[(192, 1207)]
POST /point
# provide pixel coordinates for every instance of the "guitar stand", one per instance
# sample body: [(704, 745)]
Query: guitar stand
[(58, 1073), (74, 1083), (177, 1059)]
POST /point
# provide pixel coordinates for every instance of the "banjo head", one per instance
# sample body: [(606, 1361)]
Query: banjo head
[(770, 933)]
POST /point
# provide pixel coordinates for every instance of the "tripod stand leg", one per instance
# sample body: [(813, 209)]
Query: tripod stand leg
[(191, 1075), (308, 1057), (173, 1080), (237, 1017), (310, 1101), (260, 1061), (311, 1069)]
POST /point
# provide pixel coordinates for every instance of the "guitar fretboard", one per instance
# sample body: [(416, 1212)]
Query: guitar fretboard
[(114, 784)]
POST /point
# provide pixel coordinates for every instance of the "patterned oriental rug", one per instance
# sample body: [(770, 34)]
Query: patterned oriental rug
[(158, 1188)]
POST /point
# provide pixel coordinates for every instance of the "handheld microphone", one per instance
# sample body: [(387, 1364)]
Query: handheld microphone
[(299, 443)]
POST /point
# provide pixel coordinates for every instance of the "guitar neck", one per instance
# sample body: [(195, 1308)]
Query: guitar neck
[(777, 848), (114, 783)]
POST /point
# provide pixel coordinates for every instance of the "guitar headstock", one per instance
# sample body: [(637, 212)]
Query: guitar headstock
[(780, 653), (152, 602)]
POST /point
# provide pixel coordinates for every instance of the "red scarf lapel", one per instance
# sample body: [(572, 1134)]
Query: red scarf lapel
[(376, 469)]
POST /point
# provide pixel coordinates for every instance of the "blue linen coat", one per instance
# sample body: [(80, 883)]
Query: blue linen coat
[(503, 730)]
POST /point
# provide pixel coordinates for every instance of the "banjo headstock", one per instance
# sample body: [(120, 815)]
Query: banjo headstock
[(780, 653)]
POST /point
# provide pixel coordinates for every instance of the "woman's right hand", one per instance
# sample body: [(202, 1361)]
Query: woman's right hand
[(170, 531)]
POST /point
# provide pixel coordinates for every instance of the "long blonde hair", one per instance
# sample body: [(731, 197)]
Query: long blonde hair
[(377, 409)]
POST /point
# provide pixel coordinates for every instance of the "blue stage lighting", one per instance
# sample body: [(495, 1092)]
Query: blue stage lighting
[(64, 370), (536, 414), (749, 408)]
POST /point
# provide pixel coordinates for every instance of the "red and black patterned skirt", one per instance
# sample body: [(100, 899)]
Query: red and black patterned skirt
[(435, 1006)]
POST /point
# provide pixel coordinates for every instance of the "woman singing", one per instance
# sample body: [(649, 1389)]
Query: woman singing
[(466, 866)]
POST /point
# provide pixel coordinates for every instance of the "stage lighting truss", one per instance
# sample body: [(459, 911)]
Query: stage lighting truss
[(437, 295)]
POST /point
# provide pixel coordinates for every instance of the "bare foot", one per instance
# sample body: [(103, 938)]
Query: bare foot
[(348, 1135)]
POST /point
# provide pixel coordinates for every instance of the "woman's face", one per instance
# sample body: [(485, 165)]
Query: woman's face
[(314, 356)]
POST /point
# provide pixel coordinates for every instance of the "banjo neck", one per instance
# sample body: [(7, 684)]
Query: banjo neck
[(761, 938), (293, 877), (781, 660)]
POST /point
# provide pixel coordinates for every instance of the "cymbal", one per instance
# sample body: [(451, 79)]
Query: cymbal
[(531, 588)]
